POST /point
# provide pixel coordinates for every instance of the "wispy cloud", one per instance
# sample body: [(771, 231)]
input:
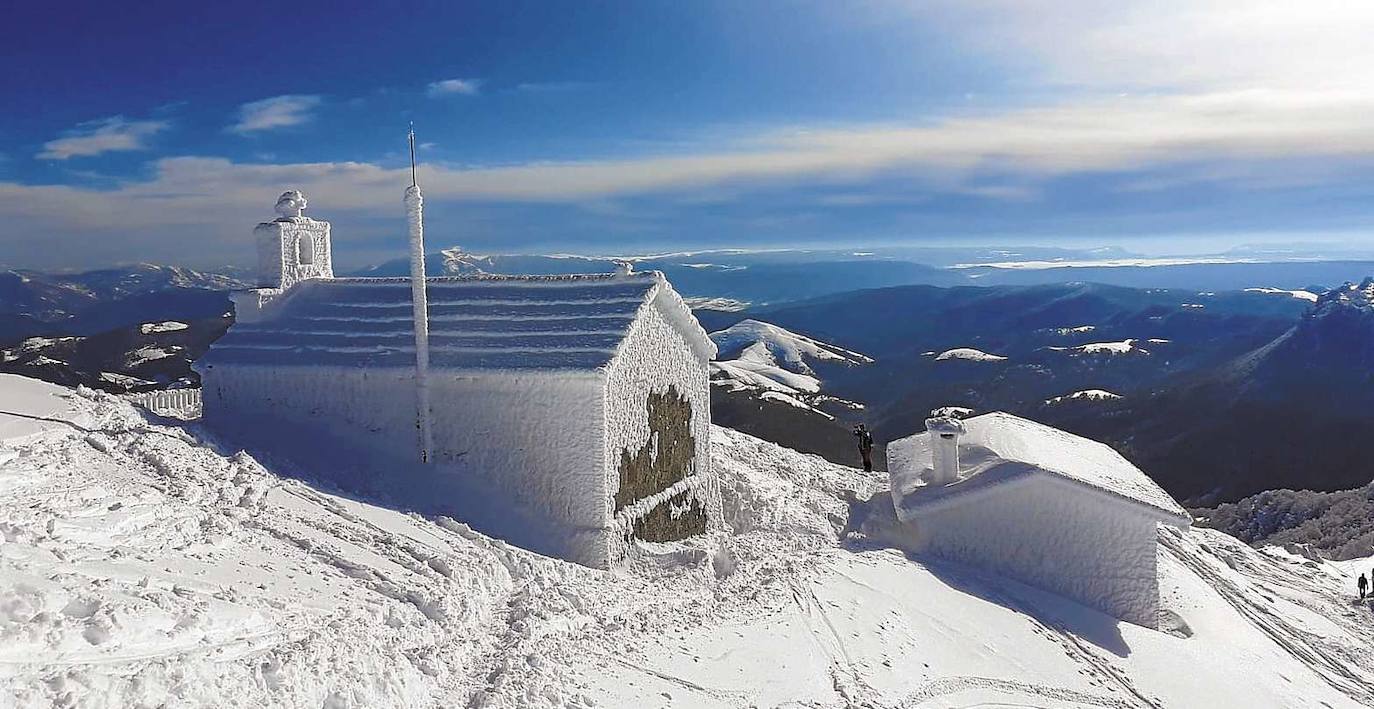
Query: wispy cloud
[(103, 136), (549, 87), (275, 112), (1257, 129), (448, 87)]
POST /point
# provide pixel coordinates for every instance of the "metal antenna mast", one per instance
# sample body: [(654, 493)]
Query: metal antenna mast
[(413, 182), (415, 219)]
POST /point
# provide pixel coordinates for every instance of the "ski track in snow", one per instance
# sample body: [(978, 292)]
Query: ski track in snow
[(143, 564), (1331, 660)]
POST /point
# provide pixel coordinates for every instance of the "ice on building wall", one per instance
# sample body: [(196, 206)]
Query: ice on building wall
[(1041, 505), (1039, 530)]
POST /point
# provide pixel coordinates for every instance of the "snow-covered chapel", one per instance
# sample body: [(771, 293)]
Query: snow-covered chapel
[(1035, 503), (567, 414)]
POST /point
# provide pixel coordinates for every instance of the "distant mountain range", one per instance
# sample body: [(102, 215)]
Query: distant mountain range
[(33, 303), (1296, 412), (1217, 395), (1088, 357), (770, 278), (727, 276)]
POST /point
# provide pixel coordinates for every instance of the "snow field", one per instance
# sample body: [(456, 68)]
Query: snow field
[(146, 565), (968, 353), (1127, 346)]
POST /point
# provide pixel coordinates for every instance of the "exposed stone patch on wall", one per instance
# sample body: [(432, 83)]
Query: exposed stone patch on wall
[(664, 460), (660, 525)]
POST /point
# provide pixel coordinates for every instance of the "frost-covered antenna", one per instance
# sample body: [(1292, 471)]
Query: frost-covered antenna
[(420, 302), (411, 137)]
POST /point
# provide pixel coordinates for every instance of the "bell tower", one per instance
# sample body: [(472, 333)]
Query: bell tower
[(292, 247)]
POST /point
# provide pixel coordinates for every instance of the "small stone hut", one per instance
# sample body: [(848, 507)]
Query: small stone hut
[(1037, 504)]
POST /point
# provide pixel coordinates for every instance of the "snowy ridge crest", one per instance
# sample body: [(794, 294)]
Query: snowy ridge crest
[(1359, 296)]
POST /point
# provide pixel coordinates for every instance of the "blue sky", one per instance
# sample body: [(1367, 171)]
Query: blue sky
[(162, 132)]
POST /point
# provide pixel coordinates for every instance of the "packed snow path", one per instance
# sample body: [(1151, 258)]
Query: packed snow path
[(146, 565)]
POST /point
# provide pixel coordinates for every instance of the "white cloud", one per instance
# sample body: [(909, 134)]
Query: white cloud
[(104, 136), (1173, 45), (275, 112), (466, 87)]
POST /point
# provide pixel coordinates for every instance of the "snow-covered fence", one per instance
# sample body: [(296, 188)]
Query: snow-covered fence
[(173, 403)]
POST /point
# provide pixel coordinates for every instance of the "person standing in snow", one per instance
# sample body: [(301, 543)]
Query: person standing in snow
[(865, 446), (1363, 583)]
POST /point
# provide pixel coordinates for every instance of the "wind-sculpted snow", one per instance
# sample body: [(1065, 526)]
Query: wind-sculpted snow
[(141, 565)]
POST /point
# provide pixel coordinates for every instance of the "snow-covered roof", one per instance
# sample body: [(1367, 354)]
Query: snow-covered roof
[(999, 447), (565, 322)]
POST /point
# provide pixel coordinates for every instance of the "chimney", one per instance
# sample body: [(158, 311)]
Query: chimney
[(944, 448)]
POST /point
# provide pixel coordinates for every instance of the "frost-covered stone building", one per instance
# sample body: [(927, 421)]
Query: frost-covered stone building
[(1037, 504), (569, 414)]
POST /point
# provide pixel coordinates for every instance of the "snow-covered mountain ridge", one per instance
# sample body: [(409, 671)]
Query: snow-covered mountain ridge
[(149, 565), (778, 364)]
